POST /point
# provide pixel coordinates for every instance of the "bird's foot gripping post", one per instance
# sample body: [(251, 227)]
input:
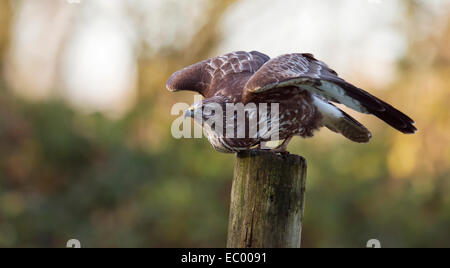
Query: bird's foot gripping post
[(267, 200)]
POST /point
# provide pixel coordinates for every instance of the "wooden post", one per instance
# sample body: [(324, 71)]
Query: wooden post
[(267, 201)]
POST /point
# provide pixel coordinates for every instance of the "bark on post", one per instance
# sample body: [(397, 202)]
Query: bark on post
[(267, 201)]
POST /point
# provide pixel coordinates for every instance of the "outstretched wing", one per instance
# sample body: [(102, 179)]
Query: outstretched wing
[(220, 73), (304, 71)]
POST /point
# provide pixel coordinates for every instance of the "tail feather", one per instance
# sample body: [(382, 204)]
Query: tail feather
[(340, 122), (350, 128)]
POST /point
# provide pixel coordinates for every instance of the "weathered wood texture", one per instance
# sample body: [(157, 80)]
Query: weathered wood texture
[(267, 201)]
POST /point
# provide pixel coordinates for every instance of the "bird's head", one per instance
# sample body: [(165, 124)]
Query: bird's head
[(195, 111), (190, 112), (207, 111)]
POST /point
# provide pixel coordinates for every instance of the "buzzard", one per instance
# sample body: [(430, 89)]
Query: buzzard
[(303, 87)]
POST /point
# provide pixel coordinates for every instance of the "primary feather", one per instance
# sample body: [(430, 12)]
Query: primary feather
[(304, 71)]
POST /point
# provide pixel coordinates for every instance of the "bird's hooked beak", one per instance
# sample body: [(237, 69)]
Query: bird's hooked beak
[(189, 112)]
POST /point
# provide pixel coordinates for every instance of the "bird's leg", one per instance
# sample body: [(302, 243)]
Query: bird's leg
[(282, 148), (259, 147)]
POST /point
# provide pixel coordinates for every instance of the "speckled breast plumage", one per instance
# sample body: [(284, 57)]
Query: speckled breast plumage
[(298, 116)]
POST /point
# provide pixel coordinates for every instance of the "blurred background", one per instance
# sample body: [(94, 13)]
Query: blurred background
[(86, 150)]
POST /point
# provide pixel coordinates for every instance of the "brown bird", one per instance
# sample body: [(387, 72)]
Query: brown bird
[(302, 86)]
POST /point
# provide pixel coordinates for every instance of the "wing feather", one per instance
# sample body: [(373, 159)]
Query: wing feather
[(210, 76), (304, 71)]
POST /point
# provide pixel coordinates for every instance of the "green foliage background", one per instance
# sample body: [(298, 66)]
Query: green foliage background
[(127, 183)]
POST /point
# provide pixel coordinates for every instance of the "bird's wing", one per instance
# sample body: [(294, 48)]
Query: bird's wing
[(304, 71), (212, 75)]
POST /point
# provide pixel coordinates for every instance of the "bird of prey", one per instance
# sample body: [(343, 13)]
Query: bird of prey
[(303, 87)]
